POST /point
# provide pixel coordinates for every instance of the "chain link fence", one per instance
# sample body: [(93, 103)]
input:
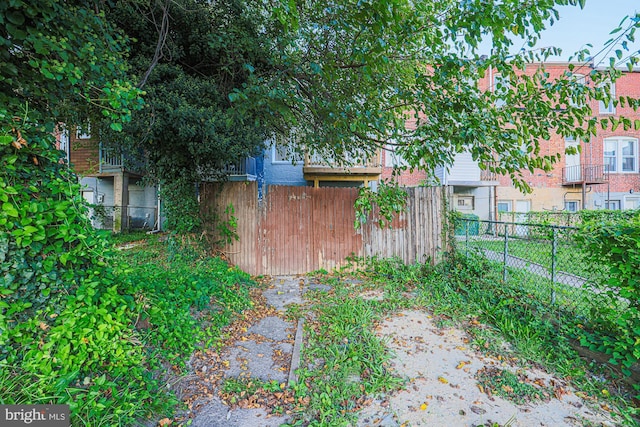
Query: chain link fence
[(543, 260), (131, 217)]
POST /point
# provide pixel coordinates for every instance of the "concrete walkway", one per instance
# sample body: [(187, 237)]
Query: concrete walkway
[(516, 262), (268, 349)]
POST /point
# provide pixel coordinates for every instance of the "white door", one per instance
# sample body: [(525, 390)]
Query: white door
[(522, 207), (573, 171)]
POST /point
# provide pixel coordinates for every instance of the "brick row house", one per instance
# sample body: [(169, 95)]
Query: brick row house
[(111, 181), (605, 173)]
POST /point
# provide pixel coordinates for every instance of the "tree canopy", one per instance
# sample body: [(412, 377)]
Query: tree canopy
[(356, 77), (350, 78), (188, 56)]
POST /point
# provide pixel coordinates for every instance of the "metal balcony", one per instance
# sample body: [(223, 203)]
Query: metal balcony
[(584, 174)]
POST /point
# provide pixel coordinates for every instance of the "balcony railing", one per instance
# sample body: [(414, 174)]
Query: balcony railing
[(245, 168), (486, 174), (111, 159), (351, 164), (585, 174), (115, 160), (242, 170)]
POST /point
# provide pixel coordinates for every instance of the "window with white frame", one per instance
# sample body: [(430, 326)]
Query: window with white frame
[(504, 206), (609, 107), (465, 203), (64, 144), (621, 155), (631, 202), (84, 131), (282, 149), (571, 205)]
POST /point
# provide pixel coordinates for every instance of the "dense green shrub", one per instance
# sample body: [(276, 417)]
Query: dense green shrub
[(615, 328), (70, 307), (64, 317)]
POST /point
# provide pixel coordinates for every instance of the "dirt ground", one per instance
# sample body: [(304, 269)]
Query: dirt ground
[(443, 390)]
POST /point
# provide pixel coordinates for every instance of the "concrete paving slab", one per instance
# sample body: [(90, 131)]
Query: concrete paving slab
[(217, 414), (273, 328), (254, 360), (264, 352)]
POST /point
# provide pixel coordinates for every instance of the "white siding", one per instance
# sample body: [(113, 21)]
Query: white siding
[(464, 169)]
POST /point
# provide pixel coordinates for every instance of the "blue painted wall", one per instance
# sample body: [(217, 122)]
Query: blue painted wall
[(281, 173)]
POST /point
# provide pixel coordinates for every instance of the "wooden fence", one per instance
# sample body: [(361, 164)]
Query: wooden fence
[(300, 229)]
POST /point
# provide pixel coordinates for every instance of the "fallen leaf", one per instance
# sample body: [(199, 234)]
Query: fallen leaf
[(424, 406), (164, 422), (477, 410), (443, 380)]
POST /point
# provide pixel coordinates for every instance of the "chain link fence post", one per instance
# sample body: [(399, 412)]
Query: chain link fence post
[(506, 252), (466, 238), (554, 255)]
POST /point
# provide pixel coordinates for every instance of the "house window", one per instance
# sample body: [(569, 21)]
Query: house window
[(609, 107), (64, 144), (282, 149), (84, 131), (504, 206), (279, 154), (571, 205), (631, 202), (465, 203), (621, 155), (614, 205)]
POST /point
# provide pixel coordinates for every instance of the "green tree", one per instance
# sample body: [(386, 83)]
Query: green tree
[(63, 313), (351, 77), (189, 56)]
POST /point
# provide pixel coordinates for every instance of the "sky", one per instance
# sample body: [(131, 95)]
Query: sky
[(577, 27)]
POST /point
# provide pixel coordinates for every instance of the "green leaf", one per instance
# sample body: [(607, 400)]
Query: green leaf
[(10, 210), (15, 17)]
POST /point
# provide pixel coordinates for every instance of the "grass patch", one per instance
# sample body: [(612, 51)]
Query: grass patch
[(515, 387), (344, 362), (184, 296), (514, 321), (569, 256)]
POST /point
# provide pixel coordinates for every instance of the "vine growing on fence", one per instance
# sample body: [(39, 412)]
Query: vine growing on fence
[(387, 201), (615, 244)]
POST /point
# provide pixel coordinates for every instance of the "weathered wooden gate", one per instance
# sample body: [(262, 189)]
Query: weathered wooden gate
[(301, 229)]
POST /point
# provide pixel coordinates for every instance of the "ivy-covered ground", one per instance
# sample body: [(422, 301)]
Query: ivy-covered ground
[(112, 352)]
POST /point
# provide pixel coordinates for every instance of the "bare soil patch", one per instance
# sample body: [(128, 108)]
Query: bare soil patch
[(444, 387)]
